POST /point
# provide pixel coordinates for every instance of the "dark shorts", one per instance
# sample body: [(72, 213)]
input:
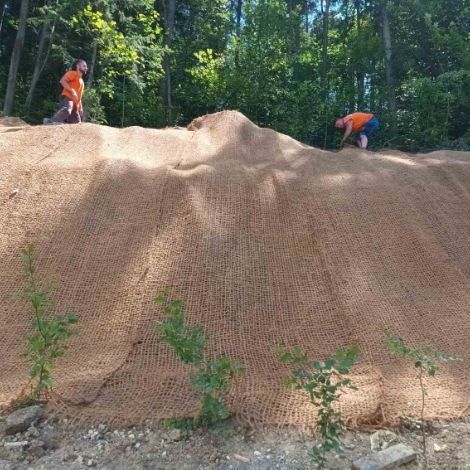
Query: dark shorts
[(370, 127), (68, 112)]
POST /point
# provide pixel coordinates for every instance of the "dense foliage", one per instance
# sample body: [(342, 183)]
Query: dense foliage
[(293, 65)]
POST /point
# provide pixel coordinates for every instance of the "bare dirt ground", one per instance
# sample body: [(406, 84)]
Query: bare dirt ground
[(53, 445)]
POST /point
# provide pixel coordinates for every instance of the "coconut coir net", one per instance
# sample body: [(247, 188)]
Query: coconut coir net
[(268, 242)]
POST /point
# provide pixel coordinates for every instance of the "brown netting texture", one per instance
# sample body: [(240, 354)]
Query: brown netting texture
[(267, 241)]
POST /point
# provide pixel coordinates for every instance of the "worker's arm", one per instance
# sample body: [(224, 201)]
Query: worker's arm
[(347, 131), (64, 81)]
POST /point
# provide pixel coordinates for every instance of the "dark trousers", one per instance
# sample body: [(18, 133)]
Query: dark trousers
[(68, 112)]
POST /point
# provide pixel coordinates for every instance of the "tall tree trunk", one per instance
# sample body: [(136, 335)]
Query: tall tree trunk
[(325, 9), (293, 44), (239, 16), (15, 59), (4, 9), (359, 69), (306, 6), (238, 29), (91, 73), (169, 10), (38, 66), (387, 37)]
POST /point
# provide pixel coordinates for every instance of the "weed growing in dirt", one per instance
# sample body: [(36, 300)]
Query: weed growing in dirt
[(425, 361), (48, 343), (323, 381), (183, 424), (211, 379)]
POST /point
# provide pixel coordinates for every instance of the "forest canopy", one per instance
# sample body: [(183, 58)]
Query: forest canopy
[(292, 65)]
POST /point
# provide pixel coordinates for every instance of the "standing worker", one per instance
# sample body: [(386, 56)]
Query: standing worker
[(71, 108), (365, 125)]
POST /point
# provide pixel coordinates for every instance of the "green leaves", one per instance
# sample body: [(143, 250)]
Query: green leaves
[(425, 358), (323, 381), (127, 43), (213, 410), (425, 361), (211, 379), (216, 375), (184, 424), (188, 342), (48, 343), (329, 363), (162, 297)]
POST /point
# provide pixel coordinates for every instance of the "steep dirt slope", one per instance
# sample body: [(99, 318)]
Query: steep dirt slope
[(269, 242)]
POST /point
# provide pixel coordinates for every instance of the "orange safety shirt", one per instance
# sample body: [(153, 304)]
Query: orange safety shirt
[(358, 120), (75, 82)]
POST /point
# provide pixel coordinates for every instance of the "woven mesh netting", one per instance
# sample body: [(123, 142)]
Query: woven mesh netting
[(267, 241)]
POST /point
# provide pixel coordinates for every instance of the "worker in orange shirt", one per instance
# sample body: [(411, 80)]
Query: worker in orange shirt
[(365, 125), (71, 108)]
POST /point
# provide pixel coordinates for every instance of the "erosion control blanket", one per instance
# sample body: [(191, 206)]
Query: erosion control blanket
[(267, 241)]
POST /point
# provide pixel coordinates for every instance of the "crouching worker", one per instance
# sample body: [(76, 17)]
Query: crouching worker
[(364, 125), (71, 108)]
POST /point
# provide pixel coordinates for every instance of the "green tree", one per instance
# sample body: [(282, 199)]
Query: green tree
[(293, 65)]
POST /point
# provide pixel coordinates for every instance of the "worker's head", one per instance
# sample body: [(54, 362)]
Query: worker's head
[(339, 124), (80, 66)]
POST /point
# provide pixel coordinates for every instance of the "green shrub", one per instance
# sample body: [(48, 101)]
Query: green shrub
[(425, 360), (323, 381), (211, 379), (94, 111), (48, 342)]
